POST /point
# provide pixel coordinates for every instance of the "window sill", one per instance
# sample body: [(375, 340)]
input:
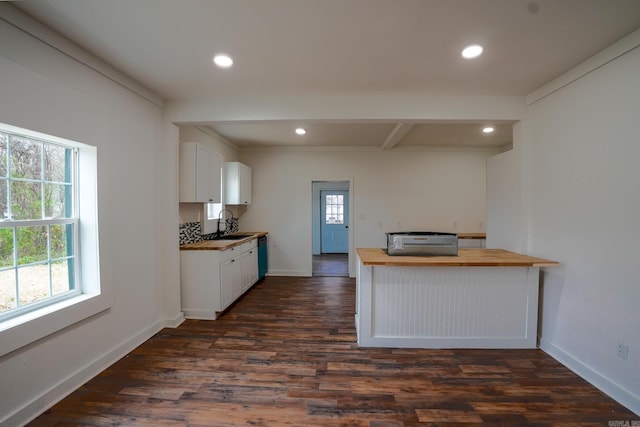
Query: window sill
[(33, 326)]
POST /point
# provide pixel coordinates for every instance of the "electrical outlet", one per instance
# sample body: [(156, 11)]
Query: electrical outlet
[(623, 350)]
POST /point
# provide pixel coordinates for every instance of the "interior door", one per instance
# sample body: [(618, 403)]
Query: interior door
[(334, 221)]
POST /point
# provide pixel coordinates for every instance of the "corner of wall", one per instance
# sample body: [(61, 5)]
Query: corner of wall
[(622, 395)]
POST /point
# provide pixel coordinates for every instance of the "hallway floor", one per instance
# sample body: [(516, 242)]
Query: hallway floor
[(331, 265)]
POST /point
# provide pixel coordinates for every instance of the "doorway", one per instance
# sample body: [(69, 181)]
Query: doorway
[(334, 222), (331, 231)]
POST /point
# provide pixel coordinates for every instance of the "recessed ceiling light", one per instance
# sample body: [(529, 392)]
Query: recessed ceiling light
[(301, 131), (223, 61), (488, 129), (472, 51)]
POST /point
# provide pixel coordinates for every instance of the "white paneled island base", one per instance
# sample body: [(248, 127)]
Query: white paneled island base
[(475, 300)]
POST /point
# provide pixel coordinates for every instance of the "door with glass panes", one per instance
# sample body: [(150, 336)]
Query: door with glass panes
[(334, 221)]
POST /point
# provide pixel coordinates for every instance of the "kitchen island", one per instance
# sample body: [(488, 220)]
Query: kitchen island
[(482, 298)]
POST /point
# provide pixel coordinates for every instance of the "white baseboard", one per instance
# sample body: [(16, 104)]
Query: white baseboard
[(55, 394), (175, 322), (192, 313), (620, 394), (289, 273), (298, 273)]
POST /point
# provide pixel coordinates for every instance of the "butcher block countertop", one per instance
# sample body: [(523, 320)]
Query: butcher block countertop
[(222, 244), (472, 235), (467, 257)]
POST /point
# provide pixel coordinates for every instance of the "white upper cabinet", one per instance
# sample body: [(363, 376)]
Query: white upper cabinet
[(237, 184), (199, 174)]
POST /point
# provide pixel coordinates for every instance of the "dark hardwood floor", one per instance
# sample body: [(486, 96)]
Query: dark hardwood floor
[(285, 355), (331, 265)]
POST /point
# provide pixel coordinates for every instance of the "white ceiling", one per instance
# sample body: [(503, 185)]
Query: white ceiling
[(342, 47), (381, 134)]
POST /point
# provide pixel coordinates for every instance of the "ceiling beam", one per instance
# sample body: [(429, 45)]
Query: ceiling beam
[(216, 135), (398, 132)]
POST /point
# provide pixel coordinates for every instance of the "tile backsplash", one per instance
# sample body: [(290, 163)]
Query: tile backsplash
[(190, 233)]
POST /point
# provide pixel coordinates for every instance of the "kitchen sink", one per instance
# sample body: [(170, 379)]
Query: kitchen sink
[(234, 237)]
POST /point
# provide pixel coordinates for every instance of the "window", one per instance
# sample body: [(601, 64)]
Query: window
[(38, 223), (49, 250), (334, 209)]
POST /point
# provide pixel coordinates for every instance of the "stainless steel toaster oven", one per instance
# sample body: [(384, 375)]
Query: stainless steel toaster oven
[(422, 243)]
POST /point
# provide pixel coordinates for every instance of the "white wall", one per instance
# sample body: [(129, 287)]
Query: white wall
[(505, 197), (584, 210), (44, 90), (581, 192), (227, 149), (391, 191)]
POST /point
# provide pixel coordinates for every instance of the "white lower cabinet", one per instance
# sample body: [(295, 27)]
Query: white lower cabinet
[(249, 270), (229, 281), (212, 280)]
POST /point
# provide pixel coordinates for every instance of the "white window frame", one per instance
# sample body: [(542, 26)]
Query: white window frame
[(334, 207), (42, 320), (72, 220)]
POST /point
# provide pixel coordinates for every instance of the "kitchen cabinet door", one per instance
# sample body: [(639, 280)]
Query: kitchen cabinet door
[(200, 286), (199, 174), (230, 281), (237, 279), (237, 183), (249, 268)]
